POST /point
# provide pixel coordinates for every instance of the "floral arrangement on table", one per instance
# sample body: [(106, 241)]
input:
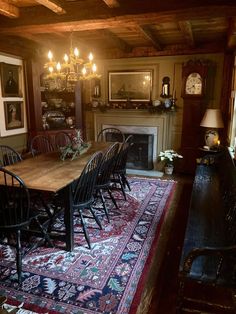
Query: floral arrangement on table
[(76, 148), (168, 156)]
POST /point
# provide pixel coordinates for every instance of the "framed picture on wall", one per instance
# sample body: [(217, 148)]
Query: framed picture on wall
[(14, 114), (130, 85), (10, 80)]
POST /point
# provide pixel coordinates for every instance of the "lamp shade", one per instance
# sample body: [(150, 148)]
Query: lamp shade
[(212, 119)]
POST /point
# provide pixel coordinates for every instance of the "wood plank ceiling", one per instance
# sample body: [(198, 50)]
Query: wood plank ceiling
[(121, 28)]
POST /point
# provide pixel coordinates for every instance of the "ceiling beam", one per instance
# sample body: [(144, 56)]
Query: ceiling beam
[(131, 20), (112, 3), (52, 5), (114, 22), (186, 29), (150, 36), (8, 10), (119, 43), (167, 51)]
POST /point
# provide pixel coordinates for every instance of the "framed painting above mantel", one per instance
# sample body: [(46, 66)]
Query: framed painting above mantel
[(135, 86)]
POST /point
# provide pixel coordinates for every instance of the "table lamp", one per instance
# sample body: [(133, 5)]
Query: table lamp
[(212, 120)]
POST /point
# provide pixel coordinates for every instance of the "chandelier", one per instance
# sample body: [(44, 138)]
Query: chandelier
[(73, 67)]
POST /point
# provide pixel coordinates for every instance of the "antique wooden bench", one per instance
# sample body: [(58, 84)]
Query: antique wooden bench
[(209, 251)]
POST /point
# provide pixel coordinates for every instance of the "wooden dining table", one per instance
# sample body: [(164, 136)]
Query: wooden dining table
[(47, 172)]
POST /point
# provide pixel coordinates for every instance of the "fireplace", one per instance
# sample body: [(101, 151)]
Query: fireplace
[(141, 154), (151, 133)]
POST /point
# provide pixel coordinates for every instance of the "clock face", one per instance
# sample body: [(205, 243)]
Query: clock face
[(167, 103), (193, 84)]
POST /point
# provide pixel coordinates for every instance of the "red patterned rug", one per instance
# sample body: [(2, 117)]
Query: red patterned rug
[(105, 279)]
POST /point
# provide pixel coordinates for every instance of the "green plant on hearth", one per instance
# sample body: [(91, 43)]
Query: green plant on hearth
[(168, 156)]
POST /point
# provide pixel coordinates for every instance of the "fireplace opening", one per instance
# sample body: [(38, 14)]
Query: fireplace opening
[(144, 149), (141, 152)]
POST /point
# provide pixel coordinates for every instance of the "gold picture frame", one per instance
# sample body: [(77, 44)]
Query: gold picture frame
[(10, 80), (14, 114), (133, 86)]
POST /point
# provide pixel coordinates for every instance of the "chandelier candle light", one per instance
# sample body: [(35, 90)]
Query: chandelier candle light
[(73, 68)]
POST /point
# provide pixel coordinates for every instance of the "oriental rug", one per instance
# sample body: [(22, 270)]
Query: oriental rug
[(104, 279)]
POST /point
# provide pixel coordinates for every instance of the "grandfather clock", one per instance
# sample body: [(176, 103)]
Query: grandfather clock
[(194, 90)]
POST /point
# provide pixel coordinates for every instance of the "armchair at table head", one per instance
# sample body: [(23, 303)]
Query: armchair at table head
[(110, 135)]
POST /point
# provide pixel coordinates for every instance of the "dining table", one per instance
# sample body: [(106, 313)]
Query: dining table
[(47, 172)]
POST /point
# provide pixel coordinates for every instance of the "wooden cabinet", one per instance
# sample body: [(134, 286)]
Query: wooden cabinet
[(58, 110), (61, 108), (49, 108)]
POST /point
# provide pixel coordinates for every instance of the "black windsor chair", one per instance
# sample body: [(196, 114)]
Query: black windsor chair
[(40, 144), (110, 135), (82, 197), (17, 215), (83, 192), (8, 155), (119, 170), (62, 139), (104, 177)]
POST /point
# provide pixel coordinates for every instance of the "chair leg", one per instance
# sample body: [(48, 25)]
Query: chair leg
[(19, 256), (104, 204), (84, 228), (112, 197), (95, 217), (126, 182), (122, 186)]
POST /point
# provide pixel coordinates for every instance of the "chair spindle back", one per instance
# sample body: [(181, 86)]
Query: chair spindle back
[(83, 192), (8, 155), (14, 201)]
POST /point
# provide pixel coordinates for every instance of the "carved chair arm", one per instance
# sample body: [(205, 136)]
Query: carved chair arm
[(206, 251)]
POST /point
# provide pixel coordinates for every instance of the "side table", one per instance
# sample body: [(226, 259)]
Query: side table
[(209, 156)]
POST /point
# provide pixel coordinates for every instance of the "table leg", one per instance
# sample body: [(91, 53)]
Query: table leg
[(68, 218)]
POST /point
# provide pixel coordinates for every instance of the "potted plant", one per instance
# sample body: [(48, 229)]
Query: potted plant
[(168, 156)]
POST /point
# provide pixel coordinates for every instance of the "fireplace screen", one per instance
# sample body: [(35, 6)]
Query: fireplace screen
[(141, 152)]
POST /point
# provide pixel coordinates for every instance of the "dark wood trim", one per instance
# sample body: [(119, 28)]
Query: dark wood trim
[(9, 10), (226, 94)]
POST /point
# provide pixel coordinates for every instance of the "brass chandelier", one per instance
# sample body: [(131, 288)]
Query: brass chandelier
[(73, 67)]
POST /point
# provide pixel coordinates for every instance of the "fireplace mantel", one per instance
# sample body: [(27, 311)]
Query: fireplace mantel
[(137, 118)]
